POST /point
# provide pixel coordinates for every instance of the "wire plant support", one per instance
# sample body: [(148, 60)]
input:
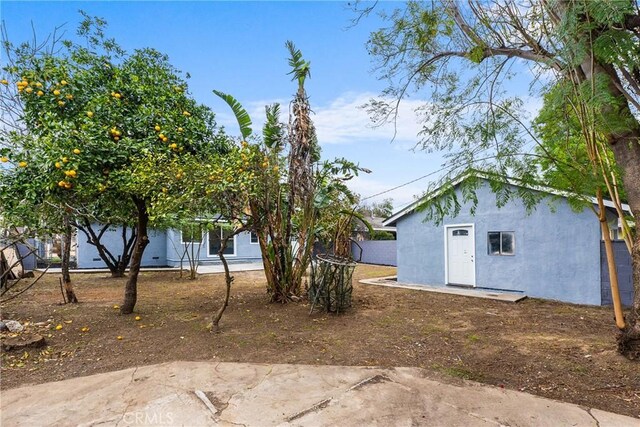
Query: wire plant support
[(331, 283)]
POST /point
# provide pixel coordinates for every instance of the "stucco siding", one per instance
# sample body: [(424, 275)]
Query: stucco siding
[(624, 270), (164, 249), (245, 251), (154, 254), (381, 252), (557, 251)]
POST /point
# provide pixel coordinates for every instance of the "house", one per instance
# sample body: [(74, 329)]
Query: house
[(376, 245), (376, 230), (552, 252), (167, 247)]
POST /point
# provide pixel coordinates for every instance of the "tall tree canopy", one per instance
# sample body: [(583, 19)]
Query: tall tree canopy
[(469, 59)]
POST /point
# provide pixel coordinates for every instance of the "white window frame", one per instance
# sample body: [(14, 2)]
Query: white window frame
[(235, 246), (446, 250), (251, 242)]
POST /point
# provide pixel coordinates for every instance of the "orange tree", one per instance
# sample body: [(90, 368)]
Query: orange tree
[(212, 189), (87, 116)]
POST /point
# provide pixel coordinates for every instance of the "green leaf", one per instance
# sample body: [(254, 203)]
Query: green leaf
[(272, 131), (300, 68), (244, 121)]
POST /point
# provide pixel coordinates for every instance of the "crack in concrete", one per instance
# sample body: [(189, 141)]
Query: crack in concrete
[(588, 411), (231, 422), (262, 380), (313, 408), (133, 374), (223, 405), (471, 414), (376, 379)]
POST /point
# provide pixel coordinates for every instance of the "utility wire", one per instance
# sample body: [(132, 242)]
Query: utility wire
[(404, 185)]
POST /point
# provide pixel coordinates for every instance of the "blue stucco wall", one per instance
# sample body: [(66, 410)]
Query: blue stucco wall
[(154, 254), (245, 251), (624, 270), (163, 249), (382, 252), (557, 253)]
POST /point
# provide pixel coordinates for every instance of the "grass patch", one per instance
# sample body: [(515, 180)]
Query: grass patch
[(458, 372), (473, 338)]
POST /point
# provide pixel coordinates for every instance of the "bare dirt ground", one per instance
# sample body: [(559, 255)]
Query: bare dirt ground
[(555, 350)]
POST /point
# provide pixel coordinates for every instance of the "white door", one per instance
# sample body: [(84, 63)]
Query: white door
[(460, 255)]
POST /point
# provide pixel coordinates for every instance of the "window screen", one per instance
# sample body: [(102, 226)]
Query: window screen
[(215, 241)]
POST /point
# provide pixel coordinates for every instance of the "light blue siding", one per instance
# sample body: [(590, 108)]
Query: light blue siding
[(154, 254), (164, 249), (557, 253), (245, 251), (381, 252)]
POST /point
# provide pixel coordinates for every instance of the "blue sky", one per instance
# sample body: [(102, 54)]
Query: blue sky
[(238, 48)]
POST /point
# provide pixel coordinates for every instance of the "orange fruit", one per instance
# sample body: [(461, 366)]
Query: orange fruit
[(56, 92), (90, 114), (22, 164), (76, 151)]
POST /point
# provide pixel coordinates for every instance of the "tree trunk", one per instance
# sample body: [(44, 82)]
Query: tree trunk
[(131, 287), (228, 279), (66, 260), (119, 271), (626, 150), (116, 265), (625, 146), (611, 264)]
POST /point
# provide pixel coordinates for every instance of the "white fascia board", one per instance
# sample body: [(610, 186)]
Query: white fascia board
[(411, 207)]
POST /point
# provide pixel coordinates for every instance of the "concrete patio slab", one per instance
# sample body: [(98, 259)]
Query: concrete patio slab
[(390, 281), (232, 394)]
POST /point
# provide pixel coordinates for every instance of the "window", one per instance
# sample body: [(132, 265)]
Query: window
[(254, 238), (501, 243), (460, 232), (191, 234), (216, 235)]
